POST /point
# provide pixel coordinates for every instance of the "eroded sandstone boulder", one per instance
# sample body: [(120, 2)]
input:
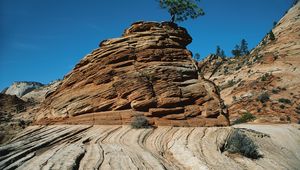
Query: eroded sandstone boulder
[(147, 71)]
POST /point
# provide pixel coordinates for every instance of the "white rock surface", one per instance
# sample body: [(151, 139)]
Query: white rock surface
[(120, 147), (38, 95), (21, 88)]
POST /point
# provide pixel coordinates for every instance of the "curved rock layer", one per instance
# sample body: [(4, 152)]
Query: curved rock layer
[(120, 147), (147, 71)]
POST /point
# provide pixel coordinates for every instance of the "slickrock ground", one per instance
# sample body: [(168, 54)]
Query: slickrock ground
[(272, 68), (120, 147), (148, 71)]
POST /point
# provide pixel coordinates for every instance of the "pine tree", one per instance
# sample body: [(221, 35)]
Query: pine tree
[(236, 51), (197, 57), (223, 54), (271, 36), (274, 24), (244, 47), (218, 51), (181, 10)]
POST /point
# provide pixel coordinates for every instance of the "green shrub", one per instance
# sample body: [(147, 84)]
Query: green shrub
[(238, 67), (246, 117), (238, 142), (271, 36), (230, 83), (263, 97), (283, 100), (265, 77), (140, 122), (282, 106), (275, 91)]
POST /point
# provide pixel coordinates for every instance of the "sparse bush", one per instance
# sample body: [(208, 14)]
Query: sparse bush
[(283, 100), (265, 77), (225, 70), (231, 83), (263, 97), (238, 67), (283, 88), (238, 142), (275, 91), (282, 106), (246, 117), (140, 122), (271, 36), (234, 98)]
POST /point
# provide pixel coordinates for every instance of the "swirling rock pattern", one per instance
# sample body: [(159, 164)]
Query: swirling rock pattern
[(147, 71), (121, 147)]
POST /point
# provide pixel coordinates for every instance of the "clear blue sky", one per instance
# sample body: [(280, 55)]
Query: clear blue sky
[(42, 40)]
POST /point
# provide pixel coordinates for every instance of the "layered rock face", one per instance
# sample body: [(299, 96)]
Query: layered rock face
[(148, 71)]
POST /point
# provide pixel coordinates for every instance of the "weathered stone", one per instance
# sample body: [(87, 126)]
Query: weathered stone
[(148, 69), (143, 105), (161, 112)]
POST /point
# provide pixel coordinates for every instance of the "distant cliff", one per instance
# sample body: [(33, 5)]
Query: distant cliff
[(21, 88)]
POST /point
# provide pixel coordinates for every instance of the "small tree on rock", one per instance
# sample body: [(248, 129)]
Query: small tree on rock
[(220, 52), (197, 56), (223, 54), (181, 10), (244, 47), (236, 51), (271, 36)]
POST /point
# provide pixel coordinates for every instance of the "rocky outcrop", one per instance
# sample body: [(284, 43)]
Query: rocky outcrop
[(10, 108), (21, 88), (17, 113), (11, 104), (271, 70), (212, 65), (38, 95), (147, 71), (120, 147)]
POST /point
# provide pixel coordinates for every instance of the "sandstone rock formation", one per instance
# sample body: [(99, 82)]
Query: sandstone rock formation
[(272, 68), (148, 71), (121, 147), (38, 95)]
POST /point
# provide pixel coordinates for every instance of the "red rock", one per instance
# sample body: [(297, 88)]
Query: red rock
[(148, 69)]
